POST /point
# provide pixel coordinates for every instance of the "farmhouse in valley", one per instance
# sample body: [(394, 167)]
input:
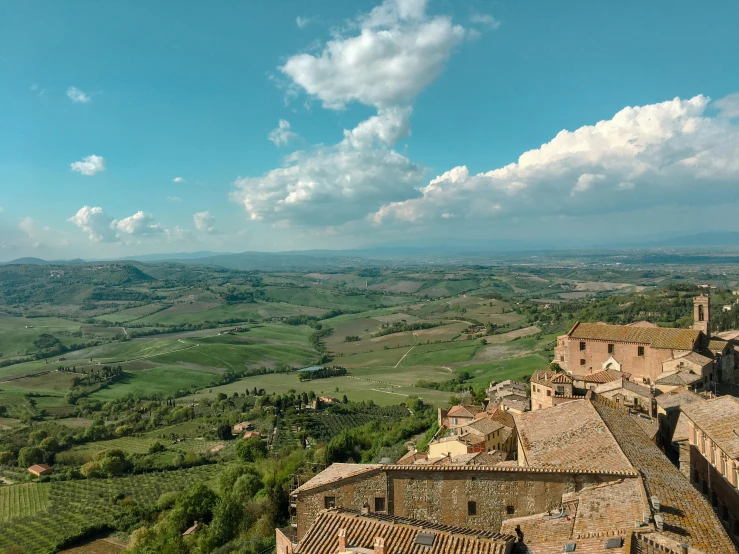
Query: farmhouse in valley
[(40, 469)]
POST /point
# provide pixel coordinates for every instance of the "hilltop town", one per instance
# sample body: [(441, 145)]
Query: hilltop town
[(620, 446)]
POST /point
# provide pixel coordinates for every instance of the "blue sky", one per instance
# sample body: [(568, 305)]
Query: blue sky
[(132, 128)]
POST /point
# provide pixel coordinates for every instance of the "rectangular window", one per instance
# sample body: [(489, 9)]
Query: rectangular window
[(471, 508), (549, 393), (582, 346), (561, 358), (610, 349), (640, 350), (329, 502), (380, 504), (510, 510), (560, 390), (582, 362)]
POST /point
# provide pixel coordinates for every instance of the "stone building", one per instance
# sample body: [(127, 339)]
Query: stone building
[(509, 396), (644, 350), (586, 476), (458, 415), (629, 394), (549, 388), (583, 383), (484, 432), (668, 412), (713, 429), (350, 532)]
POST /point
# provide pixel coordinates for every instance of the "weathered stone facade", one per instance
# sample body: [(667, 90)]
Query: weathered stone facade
[(722, 495), (442, 495), (351, 493)]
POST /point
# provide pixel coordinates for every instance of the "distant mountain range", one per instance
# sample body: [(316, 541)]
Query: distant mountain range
[(431, 252)]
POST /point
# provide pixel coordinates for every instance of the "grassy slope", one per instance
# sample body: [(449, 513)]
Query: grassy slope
[(165, 380), (16, 340)]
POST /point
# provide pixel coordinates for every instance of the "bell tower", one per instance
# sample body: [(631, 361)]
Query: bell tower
[(702, 314)]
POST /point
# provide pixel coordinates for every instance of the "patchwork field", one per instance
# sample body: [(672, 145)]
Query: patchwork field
[(17, 334)]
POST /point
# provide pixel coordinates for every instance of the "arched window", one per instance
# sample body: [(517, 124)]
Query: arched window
[(701, 315)]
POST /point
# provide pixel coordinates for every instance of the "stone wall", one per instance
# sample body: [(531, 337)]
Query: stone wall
[(283, 545), (442, 496), (350, 493), (719, 492)]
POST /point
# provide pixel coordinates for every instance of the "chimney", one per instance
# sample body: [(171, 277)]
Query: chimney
[(683, 548), (342, 540), (379, 545)]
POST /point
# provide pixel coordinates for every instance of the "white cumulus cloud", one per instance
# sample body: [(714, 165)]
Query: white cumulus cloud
[(101, 227), (383, 60), (178, 180), (645, 156), (77, 96), (204, 221), (89, 165), (728, 105), (282, 134), (398, 52), (95, 222), (139, 224)]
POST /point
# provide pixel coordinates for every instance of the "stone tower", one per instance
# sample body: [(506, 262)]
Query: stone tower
[(702, 314)]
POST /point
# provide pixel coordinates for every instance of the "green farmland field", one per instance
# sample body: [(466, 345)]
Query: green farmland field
[(22, 500), (165, 381)]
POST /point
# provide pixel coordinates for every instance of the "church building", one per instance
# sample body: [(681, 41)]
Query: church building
[(647, 352)]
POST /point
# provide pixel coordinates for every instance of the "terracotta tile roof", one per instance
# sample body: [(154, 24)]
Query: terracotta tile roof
[(40, 469), (678, 378), (694, 357), (400, 535), (656, 337), (464, 410), (567, 434), (487, 458), (412, 457), (646, 424), (717, 346), (603, 376), (624, 385), (515, 402), (719, 419), (546, 377), (465, 438), (483, 425), (504, 418), (507, 386), (688, 517), (591, 516), (582, 546), (677, 399), (337, 472), (729, 335)]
